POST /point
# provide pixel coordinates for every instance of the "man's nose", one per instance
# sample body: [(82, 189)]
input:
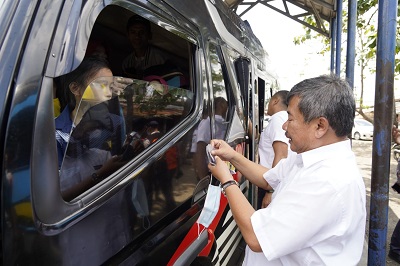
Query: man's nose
[(284, 126)]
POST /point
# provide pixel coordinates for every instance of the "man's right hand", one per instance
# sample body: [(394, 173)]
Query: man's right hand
[(222, 149)]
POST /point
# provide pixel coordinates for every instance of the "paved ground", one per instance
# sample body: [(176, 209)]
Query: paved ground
[(363, 151)]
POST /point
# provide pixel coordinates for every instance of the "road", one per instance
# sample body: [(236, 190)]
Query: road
[(363, 152)]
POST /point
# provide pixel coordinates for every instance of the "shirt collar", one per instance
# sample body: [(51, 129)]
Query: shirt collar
[(279, 113), (325, 152), (63, 122)]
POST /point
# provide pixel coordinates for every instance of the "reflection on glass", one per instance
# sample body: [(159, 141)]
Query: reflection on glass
[(106, 132), (152, 99), (98, 91)]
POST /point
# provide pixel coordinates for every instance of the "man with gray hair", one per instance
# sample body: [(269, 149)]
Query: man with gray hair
[(317, 215)]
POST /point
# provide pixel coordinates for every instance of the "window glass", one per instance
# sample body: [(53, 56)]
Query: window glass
[(116, 119), (111, 120), (104, 120), (212, 125), (220, 94)]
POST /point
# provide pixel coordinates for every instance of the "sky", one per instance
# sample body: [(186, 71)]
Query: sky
[(293, 63)]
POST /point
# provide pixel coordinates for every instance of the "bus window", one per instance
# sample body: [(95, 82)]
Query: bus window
[(214, 125), (116, 118), (99, 144), (219, 85)]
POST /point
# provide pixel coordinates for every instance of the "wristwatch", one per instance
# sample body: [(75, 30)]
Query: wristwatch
[(227, 184)]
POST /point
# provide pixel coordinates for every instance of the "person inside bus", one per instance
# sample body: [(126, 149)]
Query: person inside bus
[(203, 135), (273, 145), (144, 54), (95, 49), (73, 86), (318, 211), (83, 131)]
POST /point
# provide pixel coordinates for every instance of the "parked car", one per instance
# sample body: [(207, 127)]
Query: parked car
[(362, 129)]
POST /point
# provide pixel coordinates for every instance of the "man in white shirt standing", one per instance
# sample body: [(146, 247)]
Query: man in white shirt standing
[(317, 215), (274, 145)]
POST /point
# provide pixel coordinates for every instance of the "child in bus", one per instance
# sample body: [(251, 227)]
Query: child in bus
[(83, 158), (73, 86)]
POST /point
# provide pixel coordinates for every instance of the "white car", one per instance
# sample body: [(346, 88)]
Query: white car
[(362, 129)]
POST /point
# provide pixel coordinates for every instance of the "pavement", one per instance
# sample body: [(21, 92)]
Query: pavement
[(363, 152)]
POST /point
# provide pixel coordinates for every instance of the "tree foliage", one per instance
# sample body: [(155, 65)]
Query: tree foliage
[(367, 13), (366, 30)]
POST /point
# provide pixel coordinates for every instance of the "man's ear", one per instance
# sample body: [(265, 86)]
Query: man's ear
[(322, 127), (274, 100)]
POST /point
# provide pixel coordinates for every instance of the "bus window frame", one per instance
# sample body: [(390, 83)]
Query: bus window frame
[(52, 214)]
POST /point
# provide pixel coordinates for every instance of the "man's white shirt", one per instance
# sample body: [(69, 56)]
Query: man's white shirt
[(318, 211), (272, 132)]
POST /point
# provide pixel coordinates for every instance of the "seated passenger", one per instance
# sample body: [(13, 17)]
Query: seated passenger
[(90, 129), (144, 54), (73, 86)]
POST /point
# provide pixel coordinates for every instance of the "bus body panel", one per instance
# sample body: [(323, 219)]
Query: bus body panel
[(125, 219)]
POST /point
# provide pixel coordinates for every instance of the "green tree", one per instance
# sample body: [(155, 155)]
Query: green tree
[(366, 39)]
